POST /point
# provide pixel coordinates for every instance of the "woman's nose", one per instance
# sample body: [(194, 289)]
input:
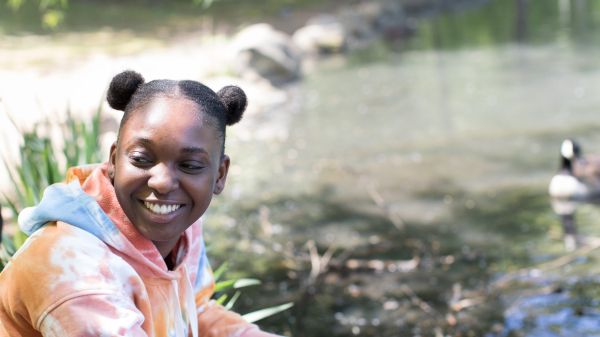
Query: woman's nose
[(163, 179)]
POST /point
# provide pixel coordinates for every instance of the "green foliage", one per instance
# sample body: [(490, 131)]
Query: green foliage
[(7, 249), (52, 18), (39, 167), (267, 312), (52, 13), (224, 288)]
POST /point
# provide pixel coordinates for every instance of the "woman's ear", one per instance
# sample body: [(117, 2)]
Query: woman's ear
[(111, 161), (221, 175)]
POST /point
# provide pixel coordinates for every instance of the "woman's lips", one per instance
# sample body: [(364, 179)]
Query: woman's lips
[(161, 211), (161, 208)]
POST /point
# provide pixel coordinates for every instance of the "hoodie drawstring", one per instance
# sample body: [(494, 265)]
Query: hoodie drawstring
[(190, 299), (179, 328), (189, 308)]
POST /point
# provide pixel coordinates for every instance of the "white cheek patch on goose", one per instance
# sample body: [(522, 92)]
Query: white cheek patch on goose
[(567, 149)]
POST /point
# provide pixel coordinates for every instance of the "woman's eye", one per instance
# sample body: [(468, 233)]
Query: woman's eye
[(139, 159), (191, 166)]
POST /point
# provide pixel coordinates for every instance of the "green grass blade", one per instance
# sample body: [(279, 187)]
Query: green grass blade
[(16, 187), (224, 285), (93, 144), (19, 239), (245, 282), (233, 299), (219, 272), (26, 175), (8, 246), (6, 252), (52, 170), (222, 299), (11, 204), (72, 131), (268, 312)]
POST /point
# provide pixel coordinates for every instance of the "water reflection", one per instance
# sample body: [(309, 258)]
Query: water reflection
[(494, 22)]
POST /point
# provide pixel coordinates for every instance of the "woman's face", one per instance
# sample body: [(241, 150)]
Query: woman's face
[(167, 164)]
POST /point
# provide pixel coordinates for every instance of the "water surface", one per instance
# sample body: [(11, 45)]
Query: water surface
[(423, 167)]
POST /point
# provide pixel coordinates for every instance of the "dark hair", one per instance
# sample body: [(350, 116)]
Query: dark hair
[(128, 92)]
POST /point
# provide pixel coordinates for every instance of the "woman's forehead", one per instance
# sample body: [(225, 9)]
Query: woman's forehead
[(164, 111), (171, 118)]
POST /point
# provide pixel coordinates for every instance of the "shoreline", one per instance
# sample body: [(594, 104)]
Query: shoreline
[(45, 76)]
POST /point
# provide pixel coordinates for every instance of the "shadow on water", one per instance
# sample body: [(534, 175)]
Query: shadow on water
[(419, 279)]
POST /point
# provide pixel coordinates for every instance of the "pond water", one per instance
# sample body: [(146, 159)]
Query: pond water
[(407, 193)]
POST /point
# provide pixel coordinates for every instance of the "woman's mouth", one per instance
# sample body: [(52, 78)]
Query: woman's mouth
[(161, 209)]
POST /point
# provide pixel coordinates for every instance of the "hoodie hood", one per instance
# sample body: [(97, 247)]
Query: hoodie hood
[(89, 202), (68, 203)]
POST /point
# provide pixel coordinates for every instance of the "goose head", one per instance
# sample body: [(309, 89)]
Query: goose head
[(569, 151)]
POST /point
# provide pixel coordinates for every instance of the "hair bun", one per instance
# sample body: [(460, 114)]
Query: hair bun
[(122, 87), (235, 102)]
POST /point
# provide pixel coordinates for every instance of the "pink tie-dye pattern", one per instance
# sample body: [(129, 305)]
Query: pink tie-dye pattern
[(67, 282)]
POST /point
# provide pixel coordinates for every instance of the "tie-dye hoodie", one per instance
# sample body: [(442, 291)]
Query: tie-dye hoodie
[(86, 271)]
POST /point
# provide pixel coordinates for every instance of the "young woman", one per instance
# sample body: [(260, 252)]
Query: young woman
[(119, 251)]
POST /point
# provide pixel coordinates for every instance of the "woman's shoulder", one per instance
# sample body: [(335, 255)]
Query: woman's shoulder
[(58, 244), (60, 261)]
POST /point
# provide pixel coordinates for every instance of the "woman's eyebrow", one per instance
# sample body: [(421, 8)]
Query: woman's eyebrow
[(140, 141), (193, 149), (187, 149)]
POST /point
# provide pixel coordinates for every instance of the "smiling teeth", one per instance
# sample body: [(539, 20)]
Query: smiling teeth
[(161, 209)]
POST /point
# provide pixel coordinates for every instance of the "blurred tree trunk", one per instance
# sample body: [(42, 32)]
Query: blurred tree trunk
[(521, 17)]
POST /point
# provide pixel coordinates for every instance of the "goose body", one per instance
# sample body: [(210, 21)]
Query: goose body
[(577, 181), (578, 178), (565, 186)]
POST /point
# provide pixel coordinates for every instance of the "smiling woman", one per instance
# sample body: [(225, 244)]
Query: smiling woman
[(165, 170), (119, 250)]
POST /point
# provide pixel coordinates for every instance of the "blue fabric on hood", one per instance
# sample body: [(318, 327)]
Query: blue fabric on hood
[(68, 203)]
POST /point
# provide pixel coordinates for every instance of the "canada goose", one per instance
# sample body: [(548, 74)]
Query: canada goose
[(577, 181), (578, 178)]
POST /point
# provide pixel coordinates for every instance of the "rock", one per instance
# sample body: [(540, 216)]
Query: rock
[(372, 20), (323, 34), (260, 50)]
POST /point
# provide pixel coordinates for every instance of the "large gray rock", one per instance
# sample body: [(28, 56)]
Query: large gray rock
[(323, 34), (260, 50)]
